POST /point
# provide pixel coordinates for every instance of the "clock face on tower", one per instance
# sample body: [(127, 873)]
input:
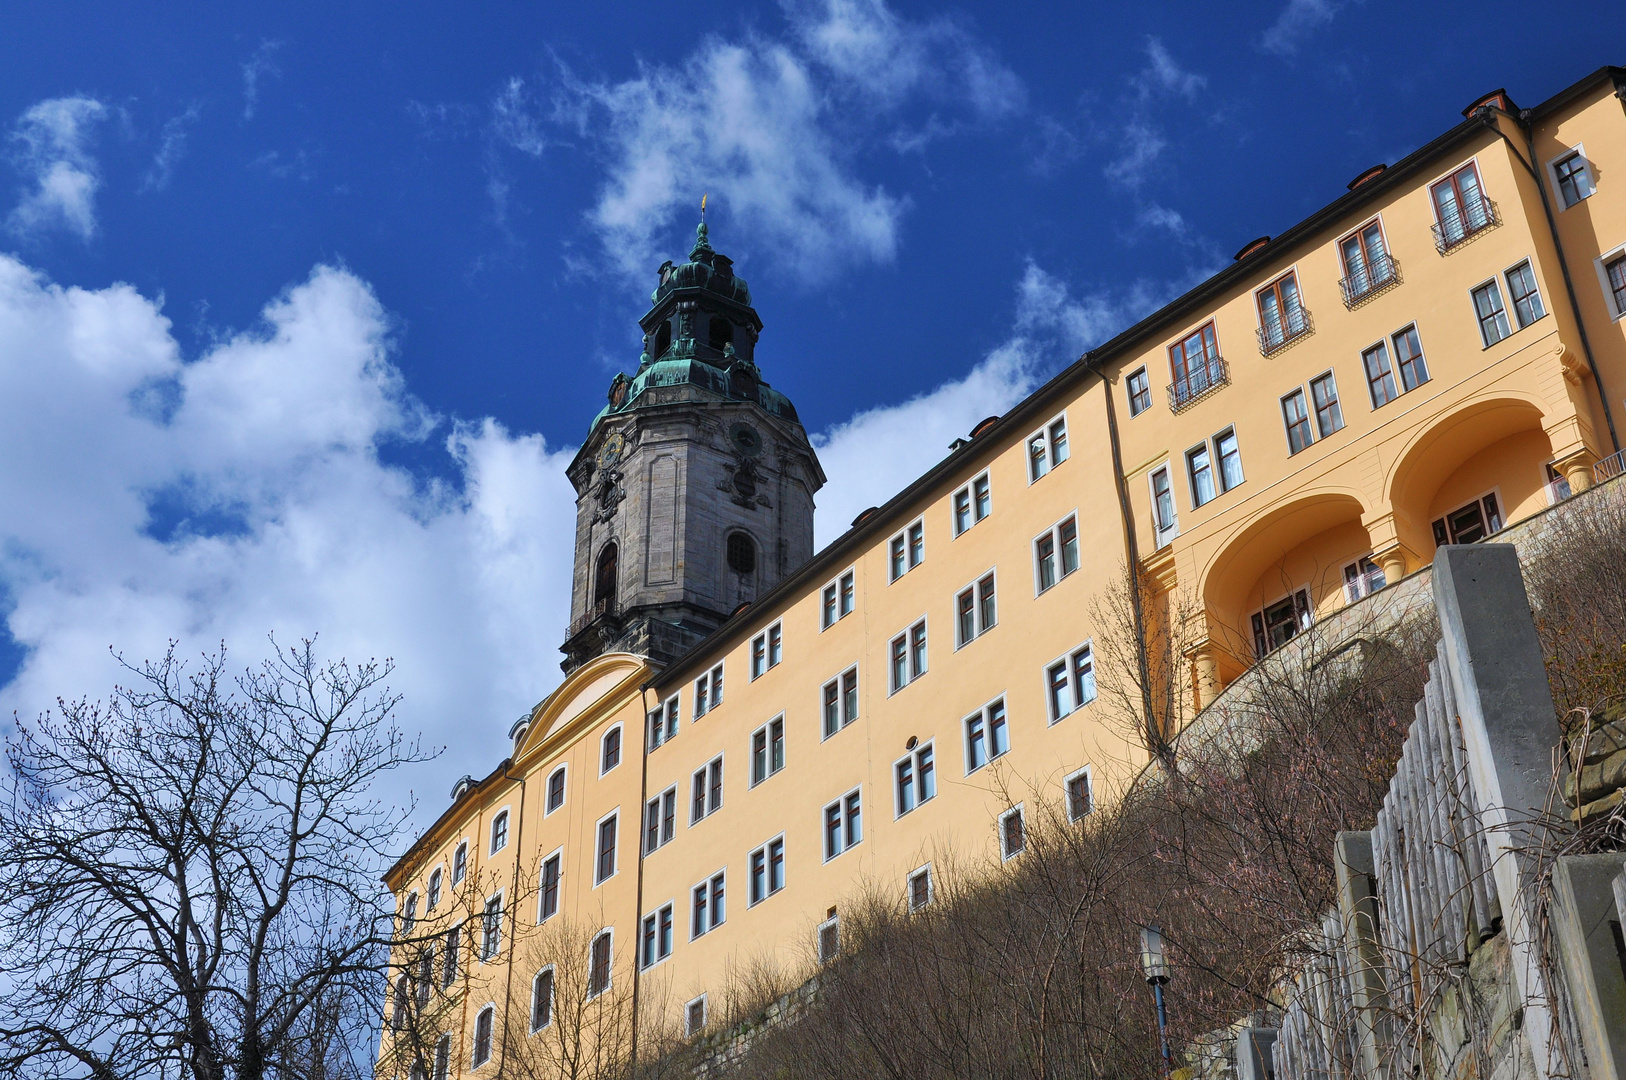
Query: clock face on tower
[(615, 444), (746, 439)]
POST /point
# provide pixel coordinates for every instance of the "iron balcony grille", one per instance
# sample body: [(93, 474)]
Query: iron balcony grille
[(1463, 224), (1199, 384), (602, 609), (1277, 335), (1610, 467), (1378, 275)]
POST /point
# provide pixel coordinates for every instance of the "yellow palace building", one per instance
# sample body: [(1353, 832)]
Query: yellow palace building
[(752, 734)]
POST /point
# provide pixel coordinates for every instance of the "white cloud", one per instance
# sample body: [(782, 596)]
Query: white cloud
[(256, 68), (52, 151), (241, 492), (171, 148), (1141, 141), (1154, 216), (1298, 20), (770, 128), (876, 454), (1163, 74)]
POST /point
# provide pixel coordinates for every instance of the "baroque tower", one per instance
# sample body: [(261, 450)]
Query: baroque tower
[(694, 487)]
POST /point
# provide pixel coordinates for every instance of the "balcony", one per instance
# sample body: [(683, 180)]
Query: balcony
[(1610, 467), (1278, 335), (603, 609), (1201, 382), (1377, 276), (1464, 224)]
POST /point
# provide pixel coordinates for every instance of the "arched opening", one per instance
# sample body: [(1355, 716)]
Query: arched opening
[(1274, 578), (742, 553), (604, 579), (1470, 474), (721, 333), (663, 340)]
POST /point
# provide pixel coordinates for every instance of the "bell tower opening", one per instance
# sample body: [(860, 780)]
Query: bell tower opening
[(722, 332), (604, 580), (742, 553), (663, 340)]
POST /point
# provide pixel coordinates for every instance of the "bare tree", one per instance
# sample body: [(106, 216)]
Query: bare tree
[(191, 887), (1144, 675)]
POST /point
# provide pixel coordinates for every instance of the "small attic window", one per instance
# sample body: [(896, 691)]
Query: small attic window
[(663, 340), (722, 332), (742, 553)]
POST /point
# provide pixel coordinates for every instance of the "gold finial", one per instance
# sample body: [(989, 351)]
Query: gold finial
[(703, 207)]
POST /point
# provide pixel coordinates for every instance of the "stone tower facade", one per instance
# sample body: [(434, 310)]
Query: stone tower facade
[(694, 488)]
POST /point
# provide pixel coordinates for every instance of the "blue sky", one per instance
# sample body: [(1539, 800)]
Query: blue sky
[(304, 306)]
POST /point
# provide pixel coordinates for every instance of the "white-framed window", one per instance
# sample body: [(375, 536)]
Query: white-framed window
[(660, 819), (663, 722), (1363, 577), (542, 999), (708, 691), (975, 610), (1080, 795), (491, 927), (499, 831), (906, 656), (1069, 682), (1472, 522), (838, 701), (767, 865), (906, 550), (451, 958), (1571, 175), (443, 1057), (1367, 264), (1523, 293), (409, 913), (1215, 467), (706, 794), (767, 649), (987, 735), (1296, 420), (1013, 833), (914, 779), (1047, 448), (1055, 553), (1139, 388), (843, 823), (1491, 313), (600, 957), (1164, 521), (1611, 268), (838, 599), (694, 1017), (424, 983), (767, 749), (483, 1022), (657, 936), (1278, 622), (556, 789), (829, 938), (1329, 415), (547, 899), (609, 750), (918, 888), (972, 503), (460, 862), (708, 905), (1460, 206), (433, 890), (604, 860)]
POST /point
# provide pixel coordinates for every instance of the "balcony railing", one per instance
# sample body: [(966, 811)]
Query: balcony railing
[(1464, 223), (602, 609), (1378, 275), (1610, 467), (1278, 334), (1199, 384)]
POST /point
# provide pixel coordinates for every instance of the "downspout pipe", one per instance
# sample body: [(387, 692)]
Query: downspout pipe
[(638, 902), (1523, 120), (513, 920)]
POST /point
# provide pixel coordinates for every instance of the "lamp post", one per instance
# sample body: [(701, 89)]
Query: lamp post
[(1157, 973)]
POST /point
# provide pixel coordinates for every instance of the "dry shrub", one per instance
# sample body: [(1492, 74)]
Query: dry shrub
[(1576, 577)]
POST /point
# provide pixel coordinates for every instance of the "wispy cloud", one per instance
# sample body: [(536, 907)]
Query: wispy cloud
[(1141, 142), (1162, 75), (879, 451), (1298, 20), (171, 148), (256, 69), (51, 148), (772, 128)]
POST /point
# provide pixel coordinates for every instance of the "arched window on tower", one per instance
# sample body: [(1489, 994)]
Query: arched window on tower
[(604, 581), (742, 554), (722, 332), (663, 340)]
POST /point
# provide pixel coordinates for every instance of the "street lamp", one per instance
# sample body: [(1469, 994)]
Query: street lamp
[(1156, 969)]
